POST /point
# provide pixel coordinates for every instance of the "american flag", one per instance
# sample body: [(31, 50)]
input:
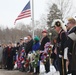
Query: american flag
[(26, 12)]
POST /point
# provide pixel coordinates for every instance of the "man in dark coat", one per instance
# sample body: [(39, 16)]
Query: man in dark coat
[(29, 44), (61, 39), (29, 49), (71, 47), (45, 39)]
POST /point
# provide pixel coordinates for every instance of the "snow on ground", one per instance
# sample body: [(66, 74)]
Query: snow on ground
[(52, 70)]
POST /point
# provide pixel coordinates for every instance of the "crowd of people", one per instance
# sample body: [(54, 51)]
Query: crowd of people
[(27, 54)]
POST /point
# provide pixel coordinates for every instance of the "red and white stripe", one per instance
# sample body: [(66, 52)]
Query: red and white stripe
[(24, 14)]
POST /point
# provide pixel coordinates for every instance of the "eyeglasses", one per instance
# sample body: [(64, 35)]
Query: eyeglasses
[(69, 23)]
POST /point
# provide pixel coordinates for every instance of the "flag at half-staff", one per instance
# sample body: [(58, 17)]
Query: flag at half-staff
[(25, 13)]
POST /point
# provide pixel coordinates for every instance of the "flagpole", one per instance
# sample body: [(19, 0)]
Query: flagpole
[(33, 18)]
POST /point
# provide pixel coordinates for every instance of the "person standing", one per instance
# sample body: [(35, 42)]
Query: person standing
[(45, 39), (20, 46), (9, 53), (35, 48), (61, 40), (1, 54), (4, 57), (54, 54), (29, 44), (71, 46), (29, 50), (25, 42)]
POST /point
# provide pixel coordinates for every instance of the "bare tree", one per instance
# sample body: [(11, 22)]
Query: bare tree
[(66, 7), (20, 31)]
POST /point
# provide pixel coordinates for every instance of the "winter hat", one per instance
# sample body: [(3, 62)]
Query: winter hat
[(36, 38), (25, 38), (59, 23), (21, 38), (44, 31)]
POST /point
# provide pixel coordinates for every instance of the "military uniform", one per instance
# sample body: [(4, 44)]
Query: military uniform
[(61, 40), (60, 52)]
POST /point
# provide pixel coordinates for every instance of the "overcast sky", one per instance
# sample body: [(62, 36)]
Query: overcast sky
[(10, 9)]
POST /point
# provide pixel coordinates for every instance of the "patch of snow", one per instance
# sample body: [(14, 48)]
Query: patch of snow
[(52, 70)]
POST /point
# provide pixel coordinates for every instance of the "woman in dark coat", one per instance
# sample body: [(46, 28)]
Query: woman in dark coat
[(9, 52)]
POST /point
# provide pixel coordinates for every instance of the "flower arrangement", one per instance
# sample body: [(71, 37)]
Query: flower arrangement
[(36, 56), (46, 53), (44, 57), (50, 50), (20, 59)]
